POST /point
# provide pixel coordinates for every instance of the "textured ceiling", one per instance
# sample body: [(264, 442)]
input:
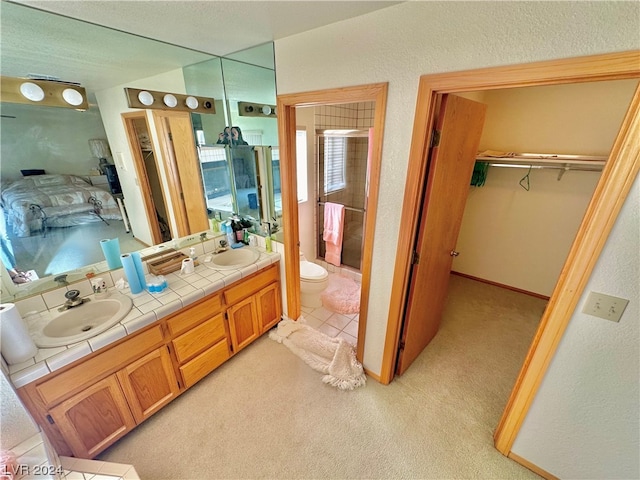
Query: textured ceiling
[(35, 41), (215, 27)]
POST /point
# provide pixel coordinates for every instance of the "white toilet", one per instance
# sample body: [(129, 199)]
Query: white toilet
[(313, 280)]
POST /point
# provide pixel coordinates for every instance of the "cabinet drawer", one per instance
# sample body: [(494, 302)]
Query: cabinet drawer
[(199, 338), (204, 363), (194, 315), (251, 285), (75, 379)]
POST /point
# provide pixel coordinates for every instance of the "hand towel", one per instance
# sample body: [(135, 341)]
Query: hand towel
[(333, 231)]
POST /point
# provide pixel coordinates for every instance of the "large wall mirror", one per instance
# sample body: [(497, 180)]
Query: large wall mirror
[(130, 174)]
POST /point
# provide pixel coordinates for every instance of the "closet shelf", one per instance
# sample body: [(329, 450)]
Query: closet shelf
[(590, 163)]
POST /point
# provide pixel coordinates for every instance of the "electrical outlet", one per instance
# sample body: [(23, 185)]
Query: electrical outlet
[(604, 306)]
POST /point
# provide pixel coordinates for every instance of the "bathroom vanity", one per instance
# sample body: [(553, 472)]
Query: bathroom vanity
[(90, 403)]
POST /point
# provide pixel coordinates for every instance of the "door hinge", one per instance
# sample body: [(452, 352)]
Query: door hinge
[(401, 345), (435, 138), (415, 258), (181, 196), (170, 137), (50, 419)]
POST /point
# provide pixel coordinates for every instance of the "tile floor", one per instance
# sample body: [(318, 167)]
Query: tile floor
[(332, 323)]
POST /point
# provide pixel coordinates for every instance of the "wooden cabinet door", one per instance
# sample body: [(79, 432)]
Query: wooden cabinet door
[(269, 307), (149, 383), (94, 418), (243, 323)]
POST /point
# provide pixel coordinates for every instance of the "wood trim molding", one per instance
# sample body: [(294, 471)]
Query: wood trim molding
[(501, 285), (534, 468), (287, 104), (610, 194)]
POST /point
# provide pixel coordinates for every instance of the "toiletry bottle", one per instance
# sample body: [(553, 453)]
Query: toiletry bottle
[(192, 253), (229, 231), (215, 224), (245, 237), (267, 239)]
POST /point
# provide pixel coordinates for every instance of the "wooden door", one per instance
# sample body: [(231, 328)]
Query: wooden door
[(269, 310), (243, 323), (149, 383), (459, 126), (94, 418), (183, 171)]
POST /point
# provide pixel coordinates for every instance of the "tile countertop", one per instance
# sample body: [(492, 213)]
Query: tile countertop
[(147, 308)]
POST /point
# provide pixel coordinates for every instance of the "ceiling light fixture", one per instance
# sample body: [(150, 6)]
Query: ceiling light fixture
[(43, 92), (150, 99), (248, 109)]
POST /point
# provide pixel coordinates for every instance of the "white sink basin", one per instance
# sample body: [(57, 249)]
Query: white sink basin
[(234, 258), (84, 321)]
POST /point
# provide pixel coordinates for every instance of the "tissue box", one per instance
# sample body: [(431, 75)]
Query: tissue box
[(167, 261)]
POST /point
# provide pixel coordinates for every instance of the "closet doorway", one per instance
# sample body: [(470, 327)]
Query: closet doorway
[(616, 180)]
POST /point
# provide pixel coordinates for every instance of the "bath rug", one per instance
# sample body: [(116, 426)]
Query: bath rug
[(342, 295), (334, 357)]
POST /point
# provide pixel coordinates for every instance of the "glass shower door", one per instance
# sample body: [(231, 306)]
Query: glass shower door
[(342, 179)]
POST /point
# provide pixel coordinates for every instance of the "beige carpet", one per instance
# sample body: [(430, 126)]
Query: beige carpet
[(266, 414)]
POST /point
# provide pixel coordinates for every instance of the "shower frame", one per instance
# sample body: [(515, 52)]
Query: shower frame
[(348, 259)]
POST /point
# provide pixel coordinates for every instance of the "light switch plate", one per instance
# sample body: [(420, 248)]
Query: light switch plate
[(604, 306)]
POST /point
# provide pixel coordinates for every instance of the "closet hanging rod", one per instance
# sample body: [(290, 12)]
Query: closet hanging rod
[(559, 161), (353, 209)]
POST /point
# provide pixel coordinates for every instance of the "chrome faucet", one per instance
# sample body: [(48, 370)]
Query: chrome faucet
[(73, 300)]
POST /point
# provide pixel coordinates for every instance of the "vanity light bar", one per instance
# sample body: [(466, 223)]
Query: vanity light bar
[(248, 109), (48, 93), (137, 98)]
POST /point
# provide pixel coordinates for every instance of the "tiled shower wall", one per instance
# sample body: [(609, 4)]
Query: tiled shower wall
[(349, 116)]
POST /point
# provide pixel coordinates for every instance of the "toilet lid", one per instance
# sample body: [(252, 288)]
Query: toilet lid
[(311, 271)]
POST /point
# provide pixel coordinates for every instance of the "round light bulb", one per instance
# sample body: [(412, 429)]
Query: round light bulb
[(266, 110), (72, 97), (192, 102), (32, 92), (170, 100), (145, 98)]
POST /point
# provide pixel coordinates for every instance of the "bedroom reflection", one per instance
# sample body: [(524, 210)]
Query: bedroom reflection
[(56, 139)]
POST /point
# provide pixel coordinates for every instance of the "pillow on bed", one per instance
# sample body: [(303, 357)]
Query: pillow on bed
[(50, 180), (33, 171)]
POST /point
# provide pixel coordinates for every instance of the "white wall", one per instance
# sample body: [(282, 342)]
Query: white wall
[(113, 102), (521, 238), (585, 420), (400, 43), (50, 138), (307, 210)]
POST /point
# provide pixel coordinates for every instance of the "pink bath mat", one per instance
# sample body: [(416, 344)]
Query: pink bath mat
[(342, 295)]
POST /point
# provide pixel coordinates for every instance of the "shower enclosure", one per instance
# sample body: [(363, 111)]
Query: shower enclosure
[(342, 178)]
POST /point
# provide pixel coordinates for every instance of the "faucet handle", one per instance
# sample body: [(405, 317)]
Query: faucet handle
[(72, 294), (62, 279)]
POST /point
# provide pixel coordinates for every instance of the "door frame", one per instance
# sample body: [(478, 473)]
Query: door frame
[(286, 108), (611, 191), (141, 171)]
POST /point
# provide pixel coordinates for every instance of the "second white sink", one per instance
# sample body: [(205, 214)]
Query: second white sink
[(84, 321), (234, 258)]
